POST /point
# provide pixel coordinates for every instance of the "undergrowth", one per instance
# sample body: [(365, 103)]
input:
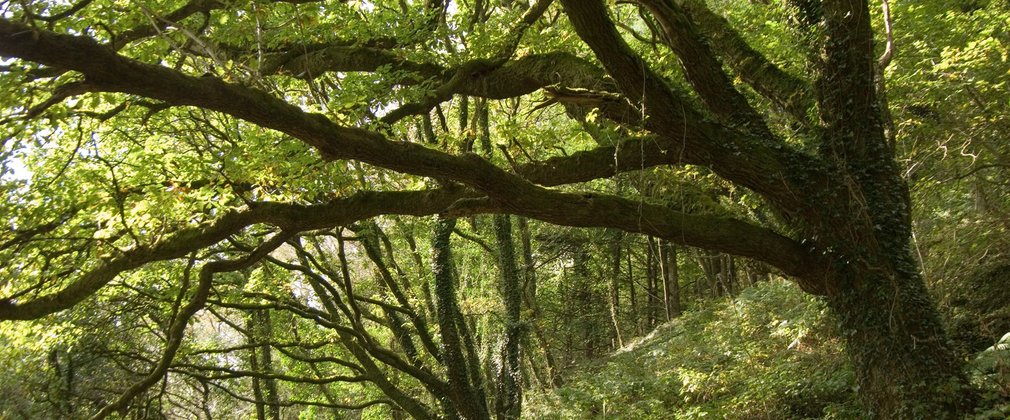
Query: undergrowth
[(769, 353)]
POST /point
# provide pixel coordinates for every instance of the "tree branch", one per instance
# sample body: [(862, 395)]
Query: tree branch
[(286, 216), (792, 94), (748, 160), (683, 133), (178, 328), (704, 72)]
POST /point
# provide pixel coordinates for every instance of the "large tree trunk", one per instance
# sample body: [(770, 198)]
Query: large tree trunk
[(849, 206), (905, 365), (839, 196)]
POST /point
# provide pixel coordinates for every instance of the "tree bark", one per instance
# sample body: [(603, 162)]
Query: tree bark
[(854, 211), (464, 392), (633, 301), (530, 294), (261, 411), (264, 332), (840, 195), (510, 395), (583, 302), (711, 267), (905, 365)]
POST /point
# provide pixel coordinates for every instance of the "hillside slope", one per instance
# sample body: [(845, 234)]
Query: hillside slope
[(767, 354)]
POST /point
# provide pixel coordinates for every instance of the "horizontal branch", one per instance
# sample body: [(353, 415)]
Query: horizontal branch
[(724, 234), (689, 140), (512, 79), (285, 216), (637, 153), (229, 373)]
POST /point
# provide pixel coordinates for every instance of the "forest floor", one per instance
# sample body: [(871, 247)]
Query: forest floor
[(770, 353)]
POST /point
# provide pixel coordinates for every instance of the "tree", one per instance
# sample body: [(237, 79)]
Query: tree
[(159, 115)]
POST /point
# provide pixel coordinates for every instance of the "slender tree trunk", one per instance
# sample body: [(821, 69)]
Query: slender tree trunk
[(63, 369), (613, 287), (408, 235), (510, 376), (711, 266), (363, 350), (204, 400), (264, 333), (371, 237), (464, 392), (729, 275), (699, 283), (633, 302), (651, 280), (584, 300), (508, 404), (671, 279), (529, 266), (254, 365), (756, 273), (530, 295)]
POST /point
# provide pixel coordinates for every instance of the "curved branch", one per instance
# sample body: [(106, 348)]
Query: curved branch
[(286, 216), (228, 373), (681, 132), (178, 328), (61, 15), (756, 162), (285, 403), (735, 156), (704, 72), (790, 93), (160, 23)]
